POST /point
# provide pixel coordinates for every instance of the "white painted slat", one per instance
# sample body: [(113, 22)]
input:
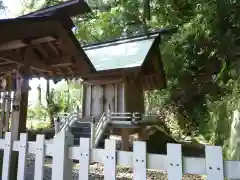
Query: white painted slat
[(39, 158), (22, 156), (139, 161), (214, 162), (84, 158), (110, 160), (62, 165), (174, 157), (2, 143), (7, 156), (159, 162)]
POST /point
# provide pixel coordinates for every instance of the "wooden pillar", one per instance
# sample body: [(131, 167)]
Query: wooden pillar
[(115, 97), (84, 100), (19, 115), (23, 106), (20, 105)]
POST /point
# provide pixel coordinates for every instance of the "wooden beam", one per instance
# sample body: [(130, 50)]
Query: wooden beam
[(35, 63), (16, 44), (5, 63), (52, 46), (42, 40), (42, 51), (73, 47), (7, 68), (103, 81), (111, 73), (61, 64)]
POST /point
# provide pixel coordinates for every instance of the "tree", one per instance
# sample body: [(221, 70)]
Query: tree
[(2, 7), (64, 98)]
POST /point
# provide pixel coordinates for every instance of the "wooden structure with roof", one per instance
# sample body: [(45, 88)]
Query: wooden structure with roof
[(40, 44), (125, 68), (44, 43)]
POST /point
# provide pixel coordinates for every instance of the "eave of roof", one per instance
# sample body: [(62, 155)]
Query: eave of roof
[(16, 23), (67, 9), (155, 33)]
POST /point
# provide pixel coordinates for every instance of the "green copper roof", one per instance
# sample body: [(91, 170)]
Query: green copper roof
[(122, 54)]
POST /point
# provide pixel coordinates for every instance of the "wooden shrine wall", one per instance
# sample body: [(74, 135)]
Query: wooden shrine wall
[(124, 96), (134, 94), (98, 97)]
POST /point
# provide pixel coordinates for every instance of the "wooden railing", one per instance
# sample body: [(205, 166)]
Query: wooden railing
[(63, 154)]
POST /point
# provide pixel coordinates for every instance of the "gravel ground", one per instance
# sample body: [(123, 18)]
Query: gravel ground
[(96, 172)]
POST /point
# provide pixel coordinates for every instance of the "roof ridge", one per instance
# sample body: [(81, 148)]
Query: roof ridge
[(122, 40), (119, 41)]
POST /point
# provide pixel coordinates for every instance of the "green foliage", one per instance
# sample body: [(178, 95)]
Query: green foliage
[(64, 98), (38, 124)]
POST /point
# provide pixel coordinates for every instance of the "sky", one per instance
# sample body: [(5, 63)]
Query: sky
[(14, 7)]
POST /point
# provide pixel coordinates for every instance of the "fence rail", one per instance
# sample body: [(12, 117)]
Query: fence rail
[(63, 153)]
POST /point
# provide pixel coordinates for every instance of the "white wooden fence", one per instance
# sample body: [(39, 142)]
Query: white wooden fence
[(63, 153)]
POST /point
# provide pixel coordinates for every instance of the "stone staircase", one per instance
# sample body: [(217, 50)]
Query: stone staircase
[(83, 130)]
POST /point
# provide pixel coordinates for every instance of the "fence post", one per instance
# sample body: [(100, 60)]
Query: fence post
[(7, 156), (84, 158), (22, 156), (39, 158), (214, 162), (110, 160), (139, 160), (174, 156), (62, 165), (93, 138)]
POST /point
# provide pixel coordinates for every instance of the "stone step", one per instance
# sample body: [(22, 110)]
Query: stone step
[(79, 124), (80, 130), (79, 135)]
